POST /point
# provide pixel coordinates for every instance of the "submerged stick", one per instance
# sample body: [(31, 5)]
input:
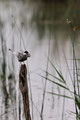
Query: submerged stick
[(23, 85)]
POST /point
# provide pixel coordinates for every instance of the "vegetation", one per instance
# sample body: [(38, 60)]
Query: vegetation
[(47, 19)]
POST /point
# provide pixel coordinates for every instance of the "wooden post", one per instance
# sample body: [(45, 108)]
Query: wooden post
[(23, 85)]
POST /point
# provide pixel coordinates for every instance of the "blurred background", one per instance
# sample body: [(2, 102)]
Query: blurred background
[(50, 31)]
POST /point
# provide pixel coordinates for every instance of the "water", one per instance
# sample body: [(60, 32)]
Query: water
[(20, 31)]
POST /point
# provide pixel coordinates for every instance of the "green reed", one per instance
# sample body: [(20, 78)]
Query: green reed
[(59, 79)]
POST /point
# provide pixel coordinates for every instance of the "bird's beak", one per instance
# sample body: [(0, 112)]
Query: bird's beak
[(29, 55)]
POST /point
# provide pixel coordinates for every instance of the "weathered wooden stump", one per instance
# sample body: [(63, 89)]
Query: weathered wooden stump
[(23, 85)]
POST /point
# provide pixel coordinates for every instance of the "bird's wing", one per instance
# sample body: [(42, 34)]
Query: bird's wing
[(21, 56)]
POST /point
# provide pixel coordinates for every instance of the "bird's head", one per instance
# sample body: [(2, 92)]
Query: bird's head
[(27, 53)]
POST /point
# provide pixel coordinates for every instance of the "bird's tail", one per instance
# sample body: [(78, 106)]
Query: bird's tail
[(9, 49), (13, 52)]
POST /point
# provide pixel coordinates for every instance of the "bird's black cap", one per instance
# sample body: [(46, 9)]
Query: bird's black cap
[(28, 54), (26, 51)]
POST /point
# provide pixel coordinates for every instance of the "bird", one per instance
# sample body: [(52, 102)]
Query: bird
[(21, 56)]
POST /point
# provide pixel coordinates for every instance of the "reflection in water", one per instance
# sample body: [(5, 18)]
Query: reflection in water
[(30, 27)]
